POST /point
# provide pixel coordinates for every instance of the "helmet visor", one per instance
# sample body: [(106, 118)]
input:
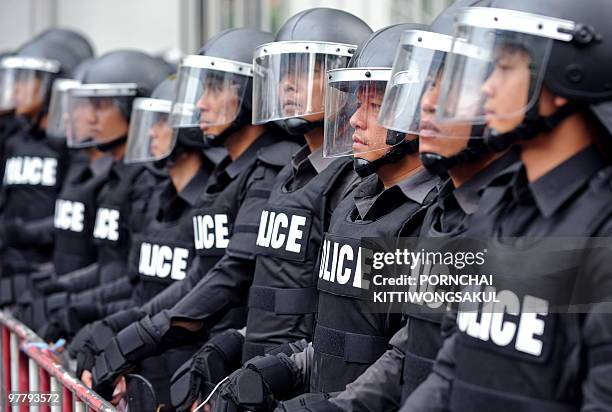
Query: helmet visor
[(150, 136), (58, 108), (410, 96), (352, 106), (494, 77), (25, 83), (98, 113), (289, 78), (210, 93)]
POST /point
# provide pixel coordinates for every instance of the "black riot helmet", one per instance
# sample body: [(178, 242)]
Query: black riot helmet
[(150, 138), (352, 105), (290, 73), (74, 40), (559, 44), (99, 108), (214, 90), (26, 76), (414, 83)]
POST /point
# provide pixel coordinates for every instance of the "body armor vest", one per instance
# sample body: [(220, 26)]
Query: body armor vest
[(283, 297)]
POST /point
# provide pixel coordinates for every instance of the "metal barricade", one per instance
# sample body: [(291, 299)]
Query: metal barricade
[(27, 367)]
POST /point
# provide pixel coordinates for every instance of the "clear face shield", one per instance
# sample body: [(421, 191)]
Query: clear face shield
[(289, 78), (25, 82), (58, 108), (210, 93), (98, 113), (150, 136), (353, 101), (493, 75), (411, 97)]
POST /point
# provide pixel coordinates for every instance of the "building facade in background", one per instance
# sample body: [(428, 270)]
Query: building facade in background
[(180, 26)]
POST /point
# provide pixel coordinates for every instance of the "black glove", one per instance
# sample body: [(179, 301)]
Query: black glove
[(260, 382), (148, 337), (36, 312), (196, 378), (308, 402), (92, 339), (13, 287), (66, 322)]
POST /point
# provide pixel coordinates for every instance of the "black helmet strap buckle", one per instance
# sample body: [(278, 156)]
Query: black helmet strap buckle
[(297, 126), (109, 146), (533, 125), (404, 148)]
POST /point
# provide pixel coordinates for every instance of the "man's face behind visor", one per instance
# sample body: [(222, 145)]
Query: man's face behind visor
[(445, 139), (218, 105), (369, 138), (300, 90), (29, 96), (98, 118), (506, 90), (161, 138)]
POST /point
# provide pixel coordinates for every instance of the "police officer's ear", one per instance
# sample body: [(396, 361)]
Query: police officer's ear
[(549, 102)]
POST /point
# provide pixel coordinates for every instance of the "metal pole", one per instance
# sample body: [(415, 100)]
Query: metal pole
[(34, 382), (14, 344), (66, 399), (78, 405), (6, 367), (24, 380), (55, 388), (45, 387)]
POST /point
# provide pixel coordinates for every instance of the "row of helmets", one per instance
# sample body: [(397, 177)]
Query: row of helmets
[(325, 67)]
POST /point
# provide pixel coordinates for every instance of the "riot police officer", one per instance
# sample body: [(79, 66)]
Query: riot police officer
[(163, 247), (99, 112), (282, 297), (35, 166), (541, 91), (395, 191), (471, 166), (225, 223)]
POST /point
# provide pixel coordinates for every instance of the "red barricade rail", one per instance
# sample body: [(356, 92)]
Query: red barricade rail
[(29, 368)]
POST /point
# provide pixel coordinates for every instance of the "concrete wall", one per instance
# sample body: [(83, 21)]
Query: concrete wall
[(150, 25), (156, 25)]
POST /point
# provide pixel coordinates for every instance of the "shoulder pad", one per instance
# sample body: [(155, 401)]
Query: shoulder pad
[(278, 154)]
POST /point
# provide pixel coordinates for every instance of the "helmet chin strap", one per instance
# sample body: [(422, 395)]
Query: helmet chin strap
[(297, 126), (188, 140), (495, 142), (476, 148), (405, 148), (533, 125), (109, 146)]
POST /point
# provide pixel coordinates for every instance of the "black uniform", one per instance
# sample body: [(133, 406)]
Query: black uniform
[(283, 296), (219, 297), (389, 381), (549, 361), (214, 222), (225, 286), (347, 338), (9, 124), (34, 170), (122, 210), (73, 222)]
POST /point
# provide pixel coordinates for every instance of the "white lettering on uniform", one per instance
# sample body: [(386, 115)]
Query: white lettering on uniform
[(107, 224), (30, 171), (211, 231), (490, 323), (273, 231), (337, 262), (162, 261), (69, 215)]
